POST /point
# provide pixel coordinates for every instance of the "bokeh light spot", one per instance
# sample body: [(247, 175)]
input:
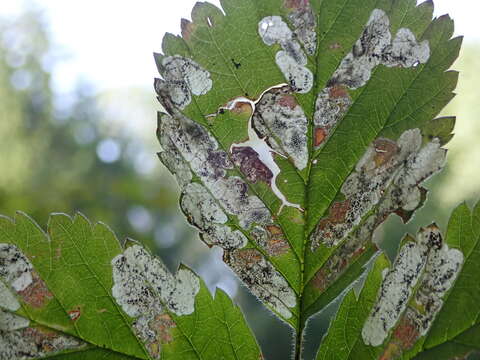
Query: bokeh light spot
[(109, 151)]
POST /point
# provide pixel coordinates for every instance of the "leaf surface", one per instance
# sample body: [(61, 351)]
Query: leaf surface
[(76, 291), (295, 128), (410, 313)]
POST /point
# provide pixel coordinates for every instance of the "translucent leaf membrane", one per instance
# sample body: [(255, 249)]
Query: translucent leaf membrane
[(295, 128), (75, 292)]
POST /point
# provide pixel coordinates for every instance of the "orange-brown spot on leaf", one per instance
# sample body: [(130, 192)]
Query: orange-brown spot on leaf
[(337, 214), (296, 4), (320, 280), (335, 46), (242, 108), (276, 243), (41, 337), (250, 165), (289, 101), (391, 352), (247, 257), (75, 314), (320, 135), (338, 91), (58, 253), (384, 150), (37, 293), (406, 334), (162, 325), (358, 252), (187, 28), (432, 227), (274, 230), (299, 220)]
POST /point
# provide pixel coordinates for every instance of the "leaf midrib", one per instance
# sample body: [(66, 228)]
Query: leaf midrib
[(361, 92)]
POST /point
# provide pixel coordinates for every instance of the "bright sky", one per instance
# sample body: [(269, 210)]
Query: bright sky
[(111, 42)]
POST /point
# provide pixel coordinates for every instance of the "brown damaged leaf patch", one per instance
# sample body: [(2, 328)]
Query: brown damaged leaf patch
[(250, 164), (385, 150), (276, 243), (345, 255), (319, 136), (337, 214), (296, 4), (391, 352), (74, 314), (187, 28), (406, 333), (242, 108), (288, 101), (403, 338), (335, 46), (42, 338), (338, 91), (320, 280), (163, 324), (37, 293), (246, 257)]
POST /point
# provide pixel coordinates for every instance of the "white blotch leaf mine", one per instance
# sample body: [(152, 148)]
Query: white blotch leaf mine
[(204, 213), (188, 145), (397, 288), (305, 26), (442, 269), (200, 151), (15, 268), (173, 160), (299, 77), (11, 322), (183, 77), (291, 60), (264, 151), (387, 176), (405, 51), (262, 279), (273, 30), (375, 47), (19, 341), (144, 288), (34, 343), (141, 282), (423, 271), (331, 105), (282, 122), (8, 300)]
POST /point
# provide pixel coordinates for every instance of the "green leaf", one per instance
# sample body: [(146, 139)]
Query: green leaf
[(419, 310), (76, 291), (344, 332), (295, 128), (451, 324)]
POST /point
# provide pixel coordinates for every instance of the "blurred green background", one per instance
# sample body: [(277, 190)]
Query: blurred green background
[(92, 149)]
